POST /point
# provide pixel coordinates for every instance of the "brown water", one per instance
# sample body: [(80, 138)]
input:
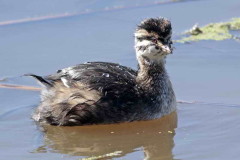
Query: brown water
[(196, 131), (206, 72), (154, 139)]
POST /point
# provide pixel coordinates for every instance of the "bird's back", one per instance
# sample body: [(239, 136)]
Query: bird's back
[(90, 93)]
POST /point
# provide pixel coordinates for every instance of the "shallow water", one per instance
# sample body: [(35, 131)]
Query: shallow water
[(206, 72)]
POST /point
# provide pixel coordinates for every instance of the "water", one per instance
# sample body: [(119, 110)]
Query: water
[(206, 72)]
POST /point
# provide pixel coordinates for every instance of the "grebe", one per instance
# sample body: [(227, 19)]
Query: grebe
[(102, 93)]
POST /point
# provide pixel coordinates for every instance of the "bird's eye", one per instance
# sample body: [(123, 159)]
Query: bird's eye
[(154, 40)]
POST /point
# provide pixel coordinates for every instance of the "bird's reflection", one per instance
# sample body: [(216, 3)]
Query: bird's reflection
[(155, 137)]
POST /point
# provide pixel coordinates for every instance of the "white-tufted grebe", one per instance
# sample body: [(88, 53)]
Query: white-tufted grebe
[(101, 93)]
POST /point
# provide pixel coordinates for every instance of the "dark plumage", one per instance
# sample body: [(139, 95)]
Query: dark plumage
[(100, 92), (161, 26)]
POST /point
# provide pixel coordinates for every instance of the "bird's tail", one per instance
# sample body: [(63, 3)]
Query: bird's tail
[(41, 80)]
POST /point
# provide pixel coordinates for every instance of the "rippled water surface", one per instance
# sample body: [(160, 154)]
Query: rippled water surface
[(43, 36)]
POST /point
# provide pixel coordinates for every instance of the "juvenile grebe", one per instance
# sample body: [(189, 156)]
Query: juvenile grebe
[(100, 92)]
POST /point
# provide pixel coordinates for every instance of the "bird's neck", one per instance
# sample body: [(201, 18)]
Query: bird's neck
[(153, 79), (152, 75)]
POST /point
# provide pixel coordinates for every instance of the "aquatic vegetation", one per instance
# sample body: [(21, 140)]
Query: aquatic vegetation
[(213, 31)]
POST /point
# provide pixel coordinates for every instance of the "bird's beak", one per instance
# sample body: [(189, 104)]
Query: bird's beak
[(166, 49)]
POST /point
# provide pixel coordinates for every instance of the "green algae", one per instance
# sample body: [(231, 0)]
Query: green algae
[(214, 31)]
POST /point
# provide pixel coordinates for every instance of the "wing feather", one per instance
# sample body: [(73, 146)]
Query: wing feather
[(96, 75)]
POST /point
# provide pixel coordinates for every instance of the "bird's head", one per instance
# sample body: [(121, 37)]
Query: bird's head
[(153, 39)]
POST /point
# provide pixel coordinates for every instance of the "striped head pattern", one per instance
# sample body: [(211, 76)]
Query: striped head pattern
[(153, 39)]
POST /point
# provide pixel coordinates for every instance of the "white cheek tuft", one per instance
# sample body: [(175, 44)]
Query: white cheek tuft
[(149, 50), (142, 43)]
